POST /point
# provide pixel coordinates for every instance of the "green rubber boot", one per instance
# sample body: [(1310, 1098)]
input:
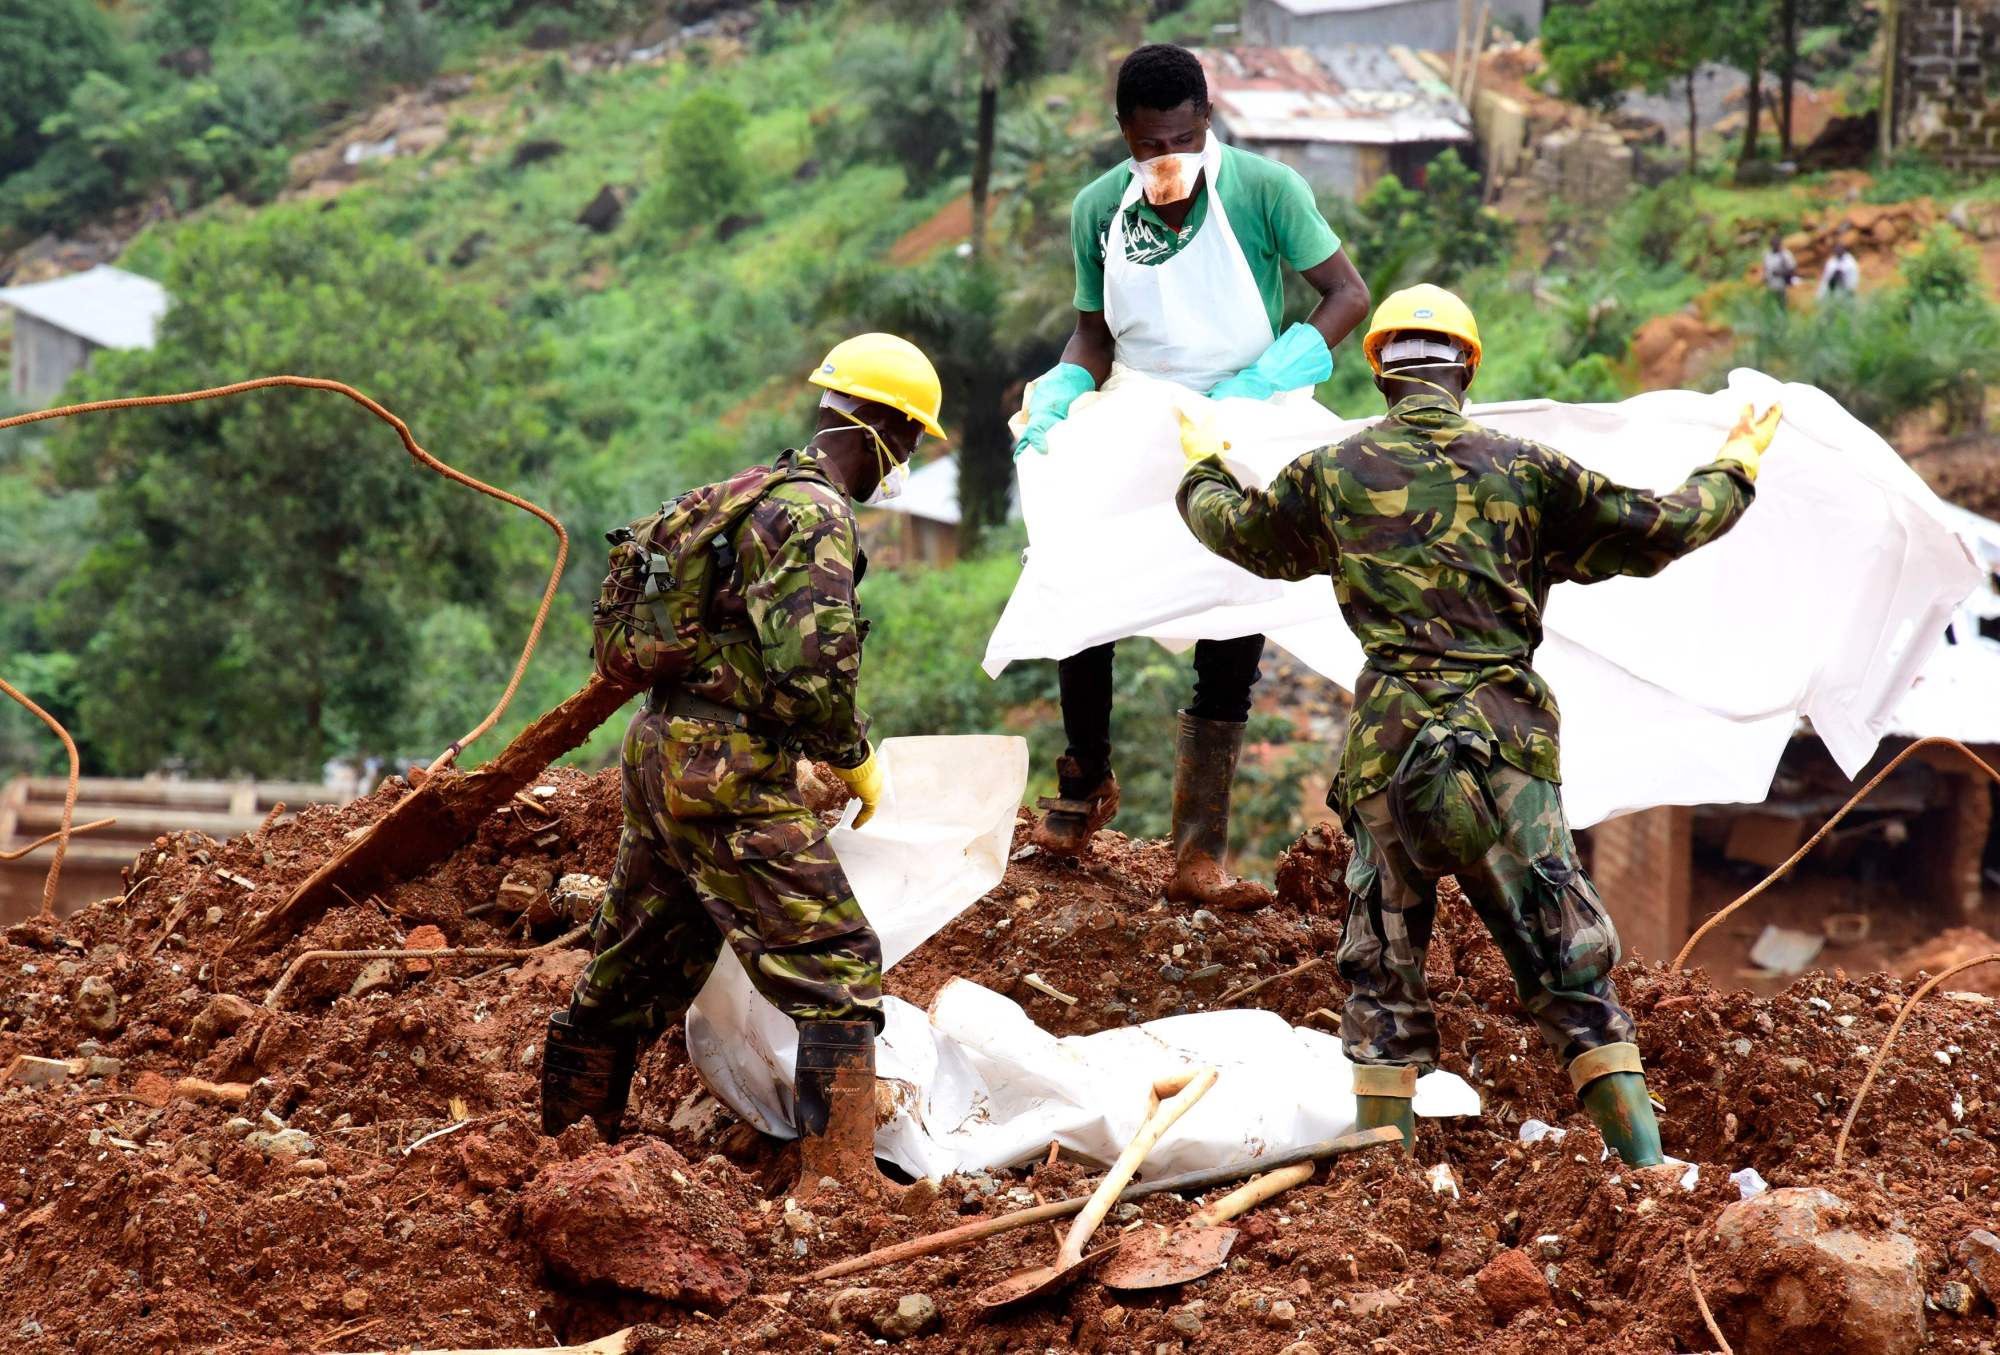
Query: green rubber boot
[(1382, 1095), (1612, 1086)]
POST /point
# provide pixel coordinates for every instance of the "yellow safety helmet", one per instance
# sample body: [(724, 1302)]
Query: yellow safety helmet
[(888, 370), (1422, 307)]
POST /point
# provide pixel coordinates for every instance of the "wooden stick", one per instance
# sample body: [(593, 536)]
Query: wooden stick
[(1042, 986), (1187, 1182), (1243, 1199), (1296, 969), (1182, 1091), (617, 1343), (434, 820), (1700, 1301)]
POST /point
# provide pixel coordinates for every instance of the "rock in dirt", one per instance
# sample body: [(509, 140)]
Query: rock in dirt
[(29, 1071), (1511, 1284), (638, 1217), (97, 1004), (1798, 1276), (1979, 1252), (375, 976), (285, 1143), (913, 1315), (224, 1015), (426, 937)]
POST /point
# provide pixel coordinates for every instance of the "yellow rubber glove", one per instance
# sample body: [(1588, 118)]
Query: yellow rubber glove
[(865, 782), (1747, 440), (1199, 441)]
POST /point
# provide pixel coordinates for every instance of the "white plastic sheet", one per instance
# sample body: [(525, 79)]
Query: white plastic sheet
[(976, 1083), (1681, 689)]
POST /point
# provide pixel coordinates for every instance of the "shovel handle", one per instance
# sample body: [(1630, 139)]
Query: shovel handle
[(1245, 1198), (1187, 1088)]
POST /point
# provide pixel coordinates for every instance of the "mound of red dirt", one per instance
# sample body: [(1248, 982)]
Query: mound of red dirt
[(356, 1166)]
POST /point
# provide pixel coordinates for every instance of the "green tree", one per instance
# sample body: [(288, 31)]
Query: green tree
[(1597, 51), (48, 45), (260, 567), (704, 174), (1437, 232)]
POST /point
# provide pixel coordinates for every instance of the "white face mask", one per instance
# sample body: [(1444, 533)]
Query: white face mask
[(889, 486), (1168, 178), (894, 478)]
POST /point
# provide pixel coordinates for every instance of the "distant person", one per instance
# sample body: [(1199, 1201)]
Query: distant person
[(1842, 274), (717, 843), (1181, 254), (1443, 538), (1781, 269)]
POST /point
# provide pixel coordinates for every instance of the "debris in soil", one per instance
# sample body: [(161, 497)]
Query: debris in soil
[(1954, 946), (381, 1164)]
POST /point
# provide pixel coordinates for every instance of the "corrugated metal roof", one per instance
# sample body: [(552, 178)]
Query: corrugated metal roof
[(1306, 8), (1353, 93), (106, 306)]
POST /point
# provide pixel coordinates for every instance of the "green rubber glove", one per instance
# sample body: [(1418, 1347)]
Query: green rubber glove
[(1299, 357), (1049, 399)]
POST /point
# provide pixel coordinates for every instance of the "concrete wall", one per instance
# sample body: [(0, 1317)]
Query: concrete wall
[(1424, 24), (1642, 865), (1330, 167), (1948, 82), (44, 359)]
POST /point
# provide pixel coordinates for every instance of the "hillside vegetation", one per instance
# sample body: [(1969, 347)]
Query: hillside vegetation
[(258, 586)]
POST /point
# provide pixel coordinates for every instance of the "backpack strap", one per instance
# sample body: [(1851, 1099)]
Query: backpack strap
[(724, 549)]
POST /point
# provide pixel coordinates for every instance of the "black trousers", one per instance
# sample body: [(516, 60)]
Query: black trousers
[(1224, 673)]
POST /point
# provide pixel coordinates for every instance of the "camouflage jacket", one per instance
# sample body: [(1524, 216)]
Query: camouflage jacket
[(798, 562), (1443, 539)]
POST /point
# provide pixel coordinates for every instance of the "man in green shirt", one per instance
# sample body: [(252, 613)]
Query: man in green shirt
[(1180, 259)]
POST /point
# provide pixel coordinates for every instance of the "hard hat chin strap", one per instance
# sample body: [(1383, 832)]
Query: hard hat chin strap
[(1405, 373)]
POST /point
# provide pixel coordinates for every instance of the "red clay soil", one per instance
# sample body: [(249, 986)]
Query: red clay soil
[(132, 1219)]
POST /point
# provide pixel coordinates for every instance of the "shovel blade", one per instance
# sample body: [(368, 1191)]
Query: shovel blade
[(1157, 1261), (1038, 1281)]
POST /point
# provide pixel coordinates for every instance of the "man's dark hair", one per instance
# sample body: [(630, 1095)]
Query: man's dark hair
[(1161, 76)]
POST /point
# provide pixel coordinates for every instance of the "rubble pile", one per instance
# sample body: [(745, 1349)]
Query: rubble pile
[(185, 1165)]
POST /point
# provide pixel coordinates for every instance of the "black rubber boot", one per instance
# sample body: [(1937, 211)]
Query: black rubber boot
[(1204, 770), (834, 1082), (1084, 803), (585, 1077)]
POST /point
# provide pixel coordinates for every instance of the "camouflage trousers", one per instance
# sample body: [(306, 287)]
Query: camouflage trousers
[(767, 882), (1532, 896)]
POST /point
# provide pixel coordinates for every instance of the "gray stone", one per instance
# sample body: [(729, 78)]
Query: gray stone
[(374, 976), (290, 1143), (1979, 1252), (97, 1004), (1187, 1321), (99, 1065), (913, 1315), (1804, 1278), (1955, 1297)]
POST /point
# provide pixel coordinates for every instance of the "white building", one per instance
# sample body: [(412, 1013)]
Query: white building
[(59, 324), (1429, 25)]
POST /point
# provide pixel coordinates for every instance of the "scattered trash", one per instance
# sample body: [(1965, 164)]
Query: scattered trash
[(1784, 951)]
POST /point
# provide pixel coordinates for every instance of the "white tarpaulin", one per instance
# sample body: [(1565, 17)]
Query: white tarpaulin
[(1824, 601), (977, 1084)]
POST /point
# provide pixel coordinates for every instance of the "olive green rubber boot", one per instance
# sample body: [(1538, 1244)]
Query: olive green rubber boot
[(1382, 1095), (1612, 1087)]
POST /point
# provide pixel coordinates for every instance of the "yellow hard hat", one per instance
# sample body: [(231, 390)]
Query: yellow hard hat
[(888, 370), (1422, 307)]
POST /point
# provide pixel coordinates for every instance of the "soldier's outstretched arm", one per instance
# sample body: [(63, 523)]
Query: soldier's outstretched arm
[(1283, 532), (802, 607), (1595, 528)]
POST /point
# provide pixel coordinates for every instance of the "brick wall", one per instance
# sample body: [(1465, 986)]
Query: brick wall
[(1948, 82), (1642, 866)]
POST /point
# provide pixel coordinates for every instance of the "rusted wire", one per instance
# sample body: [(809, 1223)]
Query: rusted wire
[(1874, 1067), (429, 953), (1701, 1301), (1828, 827), (410, 445), (46, 838), (69, 793)]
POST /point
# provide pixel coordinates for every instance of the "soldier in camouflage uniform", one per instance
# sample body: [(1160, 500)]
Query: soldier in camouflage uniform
[(1442, 539), (716, 839)]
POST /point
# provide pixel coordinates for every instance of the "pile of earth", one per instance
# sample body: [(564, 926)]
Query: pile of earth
[(356, 1165)]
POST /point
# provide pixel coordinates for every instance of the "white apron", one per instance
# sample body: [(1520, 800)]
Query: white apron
[(1195, 318)]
